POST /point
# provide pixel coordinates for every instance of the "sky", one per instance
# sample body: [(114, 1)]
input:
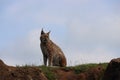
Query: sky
[(88, 31)]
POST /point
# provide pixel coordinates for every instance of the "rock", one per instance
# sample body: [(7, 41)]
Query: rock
[(113, 70)]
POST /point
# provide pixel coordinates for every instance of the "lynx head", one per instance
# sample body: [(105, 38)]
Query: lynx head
[(44, 37)]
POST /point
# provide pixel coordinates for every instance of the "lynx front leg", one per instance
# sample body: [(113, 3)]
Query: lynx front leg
[(50, 61), (45, 60)]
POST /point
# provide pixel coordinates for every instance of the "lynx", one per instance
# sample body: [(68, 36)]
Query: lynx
[(51, 52)]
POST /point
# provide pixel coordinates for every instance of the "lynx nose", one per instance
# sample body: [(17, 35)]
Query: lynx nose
[(44, 40)]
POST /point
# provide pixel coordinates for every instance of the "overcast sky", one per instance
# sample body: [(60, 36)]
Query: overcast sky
[(88, 31)]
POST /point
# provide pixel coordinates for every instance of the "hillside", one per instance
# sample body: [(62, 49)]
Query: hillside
[(80, 72)]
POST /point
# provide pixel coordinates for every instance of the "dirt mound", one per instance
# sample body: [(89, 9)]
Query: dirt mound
[(113, 70), (20, 73), (49, 73), (94, 73)]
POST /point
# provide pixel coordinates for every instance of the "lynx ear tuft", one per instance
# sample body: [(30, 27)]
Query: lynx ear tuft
[(42, 32)]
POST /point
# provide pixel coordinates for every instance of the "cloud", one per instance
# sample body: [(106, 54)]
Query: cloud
[(89, 41), (24, 50), (27, 50), (97, 55), (85, 30)]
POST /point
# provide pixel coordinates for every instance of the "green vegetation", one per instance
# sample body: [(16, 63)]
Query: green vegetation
[(48, 71), (25, 66), (84, 67)]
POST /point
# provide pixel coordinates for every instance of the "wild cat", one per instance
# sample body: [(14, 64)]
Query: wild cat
[(51, 52)]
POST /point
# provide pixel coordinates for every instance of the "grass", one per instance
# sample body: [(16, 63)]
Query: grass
[(84, 67), (49, 71)]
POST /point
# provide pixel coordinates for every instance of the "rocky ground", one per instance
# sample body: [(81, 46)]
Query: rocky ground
[(94, 72)]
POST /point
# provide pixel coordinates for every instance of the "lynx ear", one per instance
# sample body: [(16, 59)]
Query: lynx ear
[(42, 32), (48, 32)]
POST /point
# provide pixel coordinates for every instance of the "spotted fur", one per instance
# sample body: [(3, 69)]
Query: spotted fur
[(51, 52)]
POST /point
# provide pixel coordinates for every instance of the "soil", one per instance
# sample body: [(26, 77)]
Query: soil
[(36, 73), (94, 73), (20, 73)]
